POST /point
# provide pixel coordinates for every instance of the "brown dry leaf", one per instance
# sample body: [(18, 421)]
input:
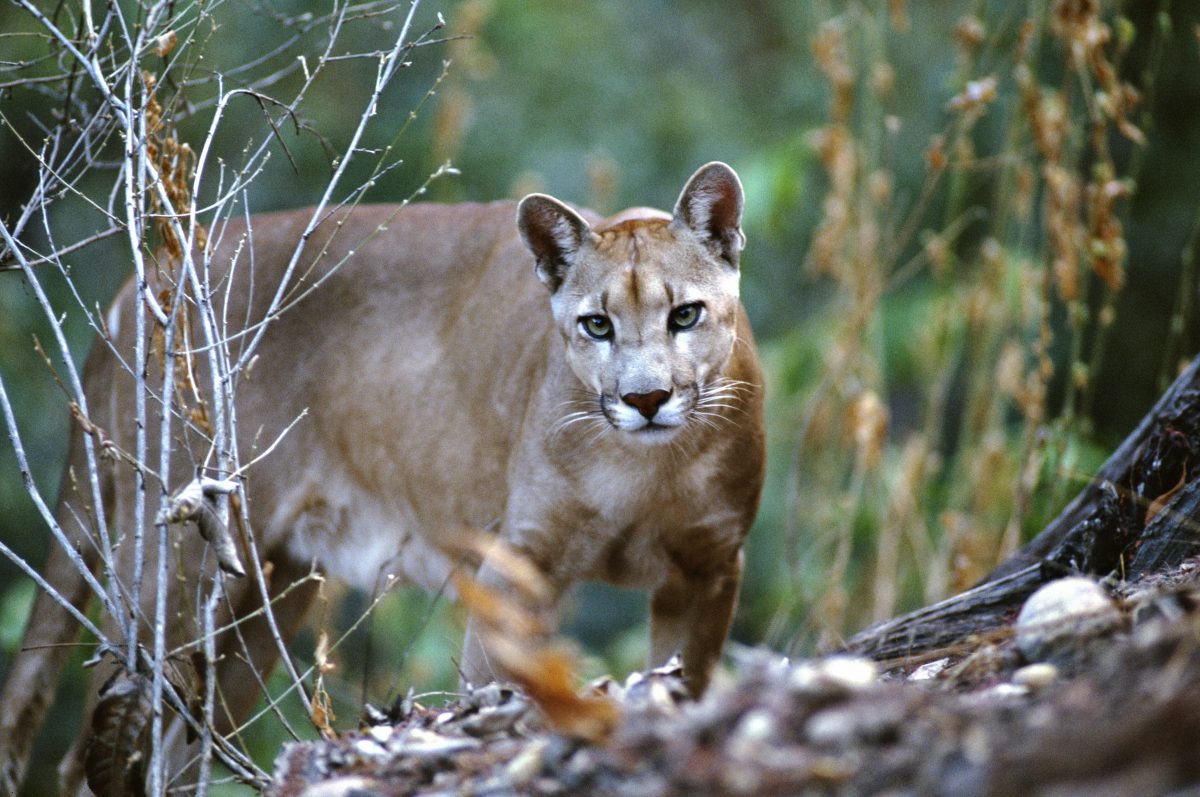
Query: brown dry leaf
[(516, 639), (192, 503), (868, 420), (191, 679), (497, 615), (899, 15), (935, 155), (165, 43), (969, 33), (199, 416), (321, 654), (520, 573), (218, 536), (547, 674), (976, 96), (108, 449), (158, 345), (115, 759), (1160, 503), (322, 711)]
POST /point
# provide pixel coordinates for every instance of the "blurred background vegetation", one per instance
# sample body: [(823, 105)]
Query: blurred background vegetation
[(970, 264)]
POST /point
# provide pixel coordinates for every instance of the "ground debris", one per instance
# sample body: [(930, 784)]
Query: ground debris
[(1120, 715)]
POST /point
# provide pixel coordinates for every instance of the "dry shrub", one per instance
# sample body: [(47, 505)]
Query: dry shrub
[(947, 305)]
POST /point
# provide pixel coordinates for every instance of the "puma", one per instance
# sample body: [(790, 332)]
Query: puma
[(587, 389)]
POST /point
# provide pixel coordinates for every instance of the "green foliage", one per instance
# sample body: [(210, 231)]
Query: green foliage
[(14, 609)]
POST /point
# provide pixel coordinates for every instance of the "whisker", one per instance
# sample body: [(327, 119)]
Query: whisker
[(731, 388), (729, 393), (716, 403), (730, 382), (579, 414), (562, 405), (685, 445), (676, 448), (602, 427), (579, 395), (708, 419), (589, 409), (584, 399), (570, 421), (722, 397), (572, 416), (714, 419)]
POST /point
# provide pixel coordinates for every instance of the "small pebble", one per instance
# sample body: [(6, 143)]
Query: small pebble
[(368, 748), (527, 764), (834, 675), (494, 719), (929, 670), (337, 787), (831, 727), (1006, 691), (757, 727), (1036, 676)]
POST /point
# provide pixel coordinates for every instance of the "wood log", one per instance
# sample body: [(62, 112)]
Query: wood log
[(946, 623), (1139, 514), (1113, 471), (1173, 535)]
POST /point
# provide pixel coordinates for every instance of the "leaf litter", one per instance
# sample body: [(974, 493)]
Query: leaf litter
[(1117, 713)]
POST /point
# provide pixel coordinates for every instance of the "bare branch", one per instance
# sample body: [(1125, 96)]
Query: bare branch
[(114, 81)]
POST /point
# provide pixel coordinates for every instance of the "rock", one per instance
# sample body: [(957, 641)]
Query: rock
[(1035, 676), (1062, 615), (833, 676), (495, 719), (527, 764), (754, 730), (929, 670)]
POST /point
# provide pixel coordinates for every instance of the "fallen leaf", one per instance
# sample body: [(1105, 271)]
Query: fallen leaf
[(115, 761)]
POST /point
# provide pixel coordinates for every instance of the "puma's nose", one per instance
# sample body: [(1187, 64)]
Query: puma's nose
[(647, 403)]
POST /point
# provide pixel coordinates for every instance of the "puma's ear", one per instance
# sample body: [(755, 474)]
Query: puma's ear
[(711, 206), (554, 233)]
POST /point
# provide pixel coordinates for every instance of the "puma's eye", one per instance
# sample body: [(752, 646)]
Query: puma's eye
[(598, 327), (685, 316)]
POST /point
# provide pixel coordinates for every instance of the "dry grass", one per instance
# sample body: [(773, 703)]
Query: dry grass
[(953, 389)]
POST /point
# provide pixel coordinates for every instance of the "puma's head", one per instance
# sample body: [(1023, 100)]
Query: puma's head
[(646, 302)]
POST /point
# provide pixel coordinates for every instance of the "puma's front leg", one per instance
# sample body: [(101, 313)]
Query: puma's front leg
[(477, 667), (690, 614)]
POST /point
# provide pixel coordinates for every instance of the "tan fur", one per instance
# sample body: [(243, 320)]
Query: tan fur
[(439, 379)]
